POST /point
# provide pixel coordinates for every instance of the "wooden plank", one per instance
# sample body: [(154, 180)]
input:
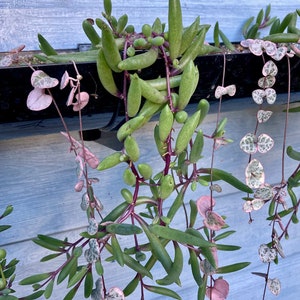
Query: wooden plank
[(38, 174), (60, 21)]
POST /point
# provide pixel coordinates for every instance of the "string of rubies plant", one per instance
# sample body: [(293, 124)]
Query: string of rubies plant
[(179, 152), (121, 50)]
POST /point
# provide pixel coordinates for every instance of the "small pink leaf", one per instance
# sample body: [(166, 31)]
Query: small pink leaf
[(213, 221), (219, 291), (64, 80), (82, 101), (71, 96), (246, 43), (90, 158), (39, 79), (37, 100), (204, 204), (79, 186)]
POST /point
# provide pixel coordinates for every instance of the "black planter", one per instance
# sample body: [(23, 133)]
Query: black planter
[(242, 69)]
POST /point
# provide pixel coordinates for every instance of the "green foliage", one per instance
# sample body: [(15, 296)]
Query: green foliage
[(151, 228)]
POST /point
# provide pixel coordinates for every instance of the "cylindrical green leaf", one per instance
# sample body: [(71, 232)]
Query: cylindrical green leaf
[(232, 268), (34, 278), (162, 291), (123, 229), (179, 236)]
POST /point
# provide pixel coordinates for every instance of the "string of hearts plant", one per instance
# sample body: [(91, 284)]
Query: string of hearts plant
[(264, 193), (147, 216)]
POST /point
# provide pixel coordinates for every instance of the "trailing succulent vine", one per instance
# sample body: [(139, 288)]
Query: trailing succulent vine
[(144, 214)]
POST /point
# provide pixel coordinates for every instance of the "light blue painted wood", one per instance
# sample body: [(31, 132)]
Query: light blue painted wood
[(38, 173), (60, 21)]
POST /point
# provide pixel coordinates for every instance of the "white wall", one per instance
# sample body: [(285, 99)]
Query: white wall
[(60, 20)]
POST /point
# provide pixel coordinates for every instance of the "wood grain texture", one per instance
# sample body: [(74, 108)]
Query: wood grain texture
[(60, 21), (38, 174)]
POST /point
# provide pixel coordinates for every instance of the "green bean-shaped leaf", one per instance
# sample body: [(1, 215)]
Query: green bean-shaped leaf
[(179, 236), (116, 212), (133, 264), (49, 289), (117, 251), (99, 267), (78, 276), (285, 22), (68, 269), (45, 46), (260, 17), (232, 268), (123, 229), (229, 178), (216, 35), (131, 286), (193, 213), (88, 284), (71, 294), (194, 262), (162, 291), (33, 296), (246, 27), (34, 278), (293, 153), (227, 247), (50, 256), (224, 235)]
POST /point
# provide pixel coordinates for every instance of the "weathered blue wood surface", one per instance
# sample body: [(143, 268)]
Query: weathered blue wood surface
[(38, 173), (60, 21)]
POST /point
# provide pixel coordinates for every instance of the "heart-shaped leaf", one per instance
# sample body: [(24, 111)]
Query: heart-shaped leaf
[(64, 80), (254, 173), (263, 115), (266, 254), (82, 101), (280, 53), (270, 68), (266, 81), (37, 100), (258, 96), (274, 286), (270, 47), (270, 95), (264, 192), (219, 291), (256, 47), (255, 204), (39, 79), (204, 204)]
